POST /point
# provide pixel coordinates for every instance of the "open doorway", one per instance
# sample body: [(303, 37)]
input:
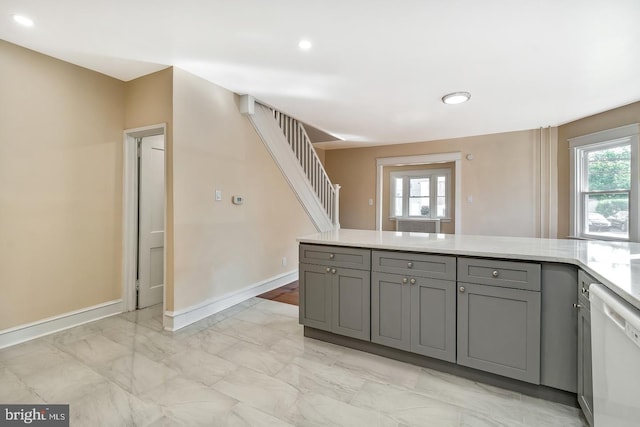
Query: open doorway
[(144, 266), (426, 159)]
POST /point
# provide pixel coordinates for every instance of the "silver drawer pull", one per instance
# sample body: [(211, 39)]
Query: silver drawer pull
[(461, 289), (332, 256), (409, 264), (404, 280), (495, 273), (333, 271), (577, 306), (412, 281), (328, 269), (585, 291)]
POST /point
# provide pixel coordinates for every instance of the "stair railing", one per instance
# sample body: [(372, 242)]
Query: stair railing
[(328, 193)]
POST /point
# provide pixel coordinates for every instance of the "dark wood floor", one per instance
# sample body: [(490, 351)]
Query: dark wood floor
[(287, 294)]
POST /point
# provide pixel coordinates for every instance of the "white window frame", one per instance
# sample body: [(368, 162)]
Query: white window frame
[(433, 197), (579, 147)]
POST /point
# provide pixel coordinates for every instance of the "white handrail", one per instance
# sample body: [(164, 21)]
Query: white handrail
[(300, 144)]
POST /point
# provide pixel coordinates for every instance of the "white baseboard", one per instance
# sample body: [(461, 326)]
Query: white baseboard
[(29, 331), (174, 320)]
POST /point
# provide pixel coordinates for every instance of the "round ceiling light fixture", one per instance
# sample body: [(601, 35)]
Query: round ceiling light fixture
[(304, 44), (456, 97), (23, 20)]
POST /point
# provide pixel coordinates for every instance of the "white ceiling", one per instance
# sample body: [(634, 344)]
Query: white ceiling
[(377, 69)]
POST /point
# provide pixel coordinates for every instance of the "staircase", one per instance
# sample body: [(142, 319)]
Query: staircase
[(290, 147)]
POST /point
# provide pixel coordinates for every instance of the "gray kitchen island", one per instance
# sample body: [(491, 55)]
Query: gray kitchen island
[(507, 311)]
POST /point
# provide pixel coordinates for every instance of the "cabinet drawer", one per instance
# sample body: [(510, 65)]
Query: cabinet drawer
[(508, 274), (336, 256), (584, 282), (410, 264)]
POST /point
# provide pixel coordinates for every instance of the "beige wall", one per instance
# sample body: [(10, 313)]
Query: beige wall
[(60, 186), (220, 247), (621, 116), (149, 101), (501, 179), (389, 224)]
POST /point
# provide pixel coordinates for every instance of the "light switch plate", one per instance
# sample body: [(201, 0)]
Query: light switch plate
[(218, 195)]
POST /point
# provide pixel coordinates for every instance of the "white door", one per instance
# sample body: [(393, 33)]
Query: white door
[(151, 222)]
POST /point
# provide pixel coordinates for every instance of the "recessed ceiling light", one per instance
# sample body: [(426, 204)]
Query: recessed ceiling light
[(456, 97), (304, 44), (23, 20)]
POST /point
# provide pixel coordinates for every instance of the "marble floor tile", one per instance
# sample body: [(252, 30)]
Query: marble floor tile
[(191, 402), (317, 410), (210, 341), (109, 405), (244, 415), (95, 350), (380, 369), (258, 390), (72, 335), (478, 397), (405, 406), (200, 366), (153, 345), (13, 390), (332, 381), (247, 331), (276, 321), (136, 373), (277, 308), (256, 357), (544, 413), (249, 365), (309, 349), (65, 382), (34, 357)]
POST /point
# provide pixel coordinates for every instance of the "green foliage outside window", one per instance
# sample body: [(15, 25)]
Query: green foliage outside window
[(610, 169)]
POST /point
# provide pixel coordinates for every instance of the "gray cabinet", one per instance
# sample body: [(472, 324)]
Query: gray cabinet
[(335, 290), (559, 327), (410, 310), (585, 381), (499, 326), (315, 296)]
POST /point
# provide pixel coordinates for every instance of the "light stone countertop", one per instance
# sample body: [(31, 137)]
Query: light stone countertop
[(615, 264)]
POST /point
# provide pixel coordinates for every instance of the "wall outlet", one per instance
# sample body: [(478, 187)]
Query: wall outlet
[(370, 202), (218, 195), (284, 261)]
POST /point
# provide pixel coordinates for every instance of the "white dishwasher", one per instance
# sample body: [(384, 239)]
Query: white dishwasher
[(615, 343)]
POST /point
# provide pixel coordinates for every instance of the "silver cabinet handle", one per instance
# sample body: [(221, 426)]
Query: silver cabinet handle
[(412, 281), (332, 256), (409, 264), (461, 289), (585, 291), (404, 280), (333, 271), (328, 269), (495, 273), (577, 305)]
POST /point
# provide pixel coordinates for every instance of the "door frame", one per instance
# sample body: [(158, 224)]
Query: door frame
[(422, 159), (130, 212)]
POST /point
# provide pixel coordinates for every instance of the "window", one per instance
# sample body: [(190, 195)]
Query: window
[(605, 184), (420, 193)]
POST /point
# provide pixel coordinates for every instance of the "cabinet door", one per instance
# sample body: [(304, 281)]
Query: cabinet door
[(433, 318), (585, 384), (390, 305), (315, 296), (351, 302), (499, 330)]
